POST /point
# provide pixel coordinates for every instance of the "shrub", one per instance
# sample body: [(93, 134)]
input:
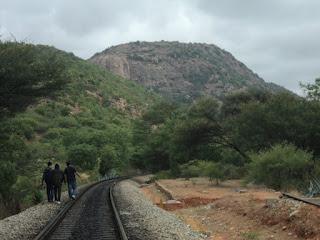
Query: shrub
[(195, 168), (88, 136), (20, 126), (230, 156), (200, 168), (250, 236), (108, 160), (66, 122), (52, 109), (24, 189), (41, 127), (189, 171), (215, 171), (55, 133), (234, 172), (37, 196), (7, 178), (281, 167), (83, 155), (165, 174)]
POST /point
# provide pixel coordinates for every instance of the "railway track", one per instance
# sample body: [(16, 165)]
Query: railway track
[(93, 215), (311, 201)]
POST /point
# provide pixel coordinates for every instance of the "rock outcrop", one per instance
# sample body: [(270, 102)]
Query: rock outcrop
[(181, 71)]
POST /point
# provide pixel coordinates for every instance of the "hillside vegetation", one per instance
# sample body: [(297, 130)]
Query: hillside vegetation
[(55, 106), (270, 139), (181, 71)]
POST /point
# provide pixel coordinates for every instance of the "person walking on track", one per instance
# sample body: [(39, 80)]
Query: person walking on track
[(70, 173), (57, 180), (47, 178)]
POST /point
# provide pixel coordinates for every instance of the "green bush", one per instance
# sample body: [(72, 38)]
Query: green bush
[(250, 236), (55, 133), (27, 73), (42, 127), (83, 155), (212, 170), (66, 122), (92, 122), (190, 171), (108, 160), (24, 189), (37, 196), (231, 157), (7, 178), (85, 135), (52, 109), (20, 126), (281, 167), (234, 172), (195, 168), (165, 174), (215, 171), (45, 151)]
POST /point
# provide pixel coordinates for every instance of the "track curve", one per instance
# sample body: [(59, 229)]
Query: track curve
[(91, 216)]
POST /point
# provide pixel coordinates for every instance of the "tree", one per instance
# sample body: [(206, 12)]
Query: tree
[(27, 72), (158, 112), (216, 171), (201, 130), (233, 103), (26, 75), (8, 177), (312, 90), (284, 117), (108, 160), (83, 155), (281, 167), (151, 137)]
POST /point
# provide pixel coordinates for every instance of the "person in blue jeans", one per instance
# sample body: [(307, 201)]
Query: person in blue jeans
[(70, 173)]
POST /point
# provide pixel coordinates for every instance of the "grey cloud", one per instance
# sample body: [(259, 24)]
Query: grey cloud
[(256, 12), (90, 16), (276, 39)]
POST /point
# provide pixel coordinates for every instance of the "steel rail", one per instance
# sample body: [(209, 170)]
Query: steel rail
[(305, 200), (57, 219), (122, 232)]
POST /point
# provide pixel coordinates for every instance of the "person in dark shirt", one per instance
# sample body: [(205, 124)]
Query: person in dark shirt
[(57, 180), (70, 173), (47, 178)]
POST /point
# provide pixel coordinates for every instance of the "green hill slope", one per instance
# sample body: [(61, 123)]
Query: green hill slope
[(88, 121)]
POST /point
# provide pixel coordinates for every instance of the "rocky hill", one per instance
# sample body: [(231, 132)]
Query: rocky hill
[(181, 71)]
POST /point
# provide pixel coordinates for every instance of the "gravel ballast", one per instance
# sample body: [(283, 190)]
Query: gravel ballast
[(143, 221), (28, 223)]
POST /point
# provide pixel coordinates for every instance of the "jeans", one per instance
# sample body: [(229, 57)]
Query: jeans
[(57, 192), (72, 189), (49, 192)]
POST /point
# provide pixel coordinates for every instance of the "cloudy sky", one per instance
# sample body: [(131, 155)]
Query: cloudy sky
[(278, 39)]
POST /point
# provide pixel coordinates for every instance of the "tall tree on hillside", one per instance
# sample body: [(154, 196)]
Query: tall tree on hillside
[(27, 72), (25, 76), (233, 102), (283, 118), (201, 130), (312, 90)]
